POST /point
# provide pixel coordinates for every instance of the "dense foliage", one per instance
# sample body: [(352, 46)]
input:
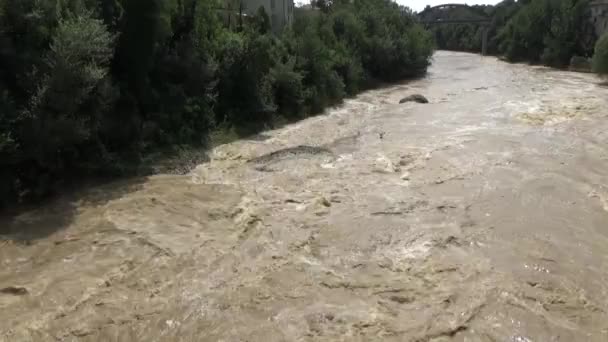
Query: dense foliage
[(89, 86), (546, 31), (600, 57)]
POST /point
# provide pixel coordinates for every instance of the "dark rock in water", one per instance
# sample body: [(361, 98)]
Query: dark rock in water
[(264, 162), (290, 152), (414, 98), (14, 290)]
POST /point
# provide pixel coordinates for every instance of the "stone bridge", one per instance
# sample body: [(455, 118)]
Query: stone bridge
[(436, 15)]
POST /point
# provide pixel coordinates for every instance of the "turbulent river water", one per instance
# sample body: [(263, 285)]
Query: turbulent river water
[(481, 216)]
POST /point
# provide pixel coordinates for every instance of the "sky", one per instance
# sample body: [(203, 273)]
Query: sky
[(418, 5)]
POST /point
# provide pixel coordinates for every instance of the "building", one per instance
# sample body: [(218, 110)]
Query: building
[(599, 16), (280, 12)]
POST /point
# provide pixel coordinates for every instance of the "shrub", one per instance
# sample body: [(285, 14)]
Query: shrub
[(600, 57), (288, 89)]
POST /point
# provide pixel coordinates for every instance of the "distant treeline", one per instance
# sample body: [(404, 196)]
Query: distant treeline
[(538, 31), (90, 87)]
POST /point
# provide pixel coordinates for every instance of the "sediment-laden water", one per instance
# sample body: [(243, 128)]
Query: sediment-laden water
[(481, 216)]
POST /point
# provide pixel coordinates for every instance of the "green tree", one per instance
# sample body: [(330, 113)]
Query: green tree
[(262, 21), (136, 48), (524, 35), (563, 39), (89, 87), (60, 125), (600, 57), (288, 89)]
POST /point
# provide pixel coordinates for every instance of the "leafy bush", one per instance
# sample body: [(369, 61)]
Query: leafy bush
[(245, 88), (600, 57), (289, 92), (523, 36)]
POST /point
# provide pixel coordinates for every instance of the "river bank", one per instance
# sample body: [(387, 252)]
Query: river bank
[(479, 216)]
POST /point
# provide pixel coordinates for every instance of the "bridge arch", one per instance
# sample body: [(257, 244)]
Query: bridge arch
[(479, 18), (442, 6)]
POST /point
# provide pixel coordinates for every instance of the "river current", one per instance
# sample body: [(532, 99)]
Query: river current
[(481, 216)]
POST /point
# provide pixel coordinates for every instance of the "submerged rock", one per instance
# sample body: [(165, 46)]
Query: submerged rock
[(414, 98), (14, 290), (406, 159), (384, 165)]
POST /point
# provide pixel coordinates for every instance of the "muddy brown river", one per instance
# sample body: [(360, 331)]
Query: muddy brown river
[(481, 216)]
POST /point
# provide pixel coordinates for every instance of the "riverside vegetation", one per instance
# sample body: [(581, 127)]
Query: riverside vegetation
[(550, 32), (91, 87)]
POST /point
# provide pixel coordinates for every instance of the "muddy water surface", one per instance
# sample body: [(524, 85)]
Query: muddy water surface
[(481, 216)]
